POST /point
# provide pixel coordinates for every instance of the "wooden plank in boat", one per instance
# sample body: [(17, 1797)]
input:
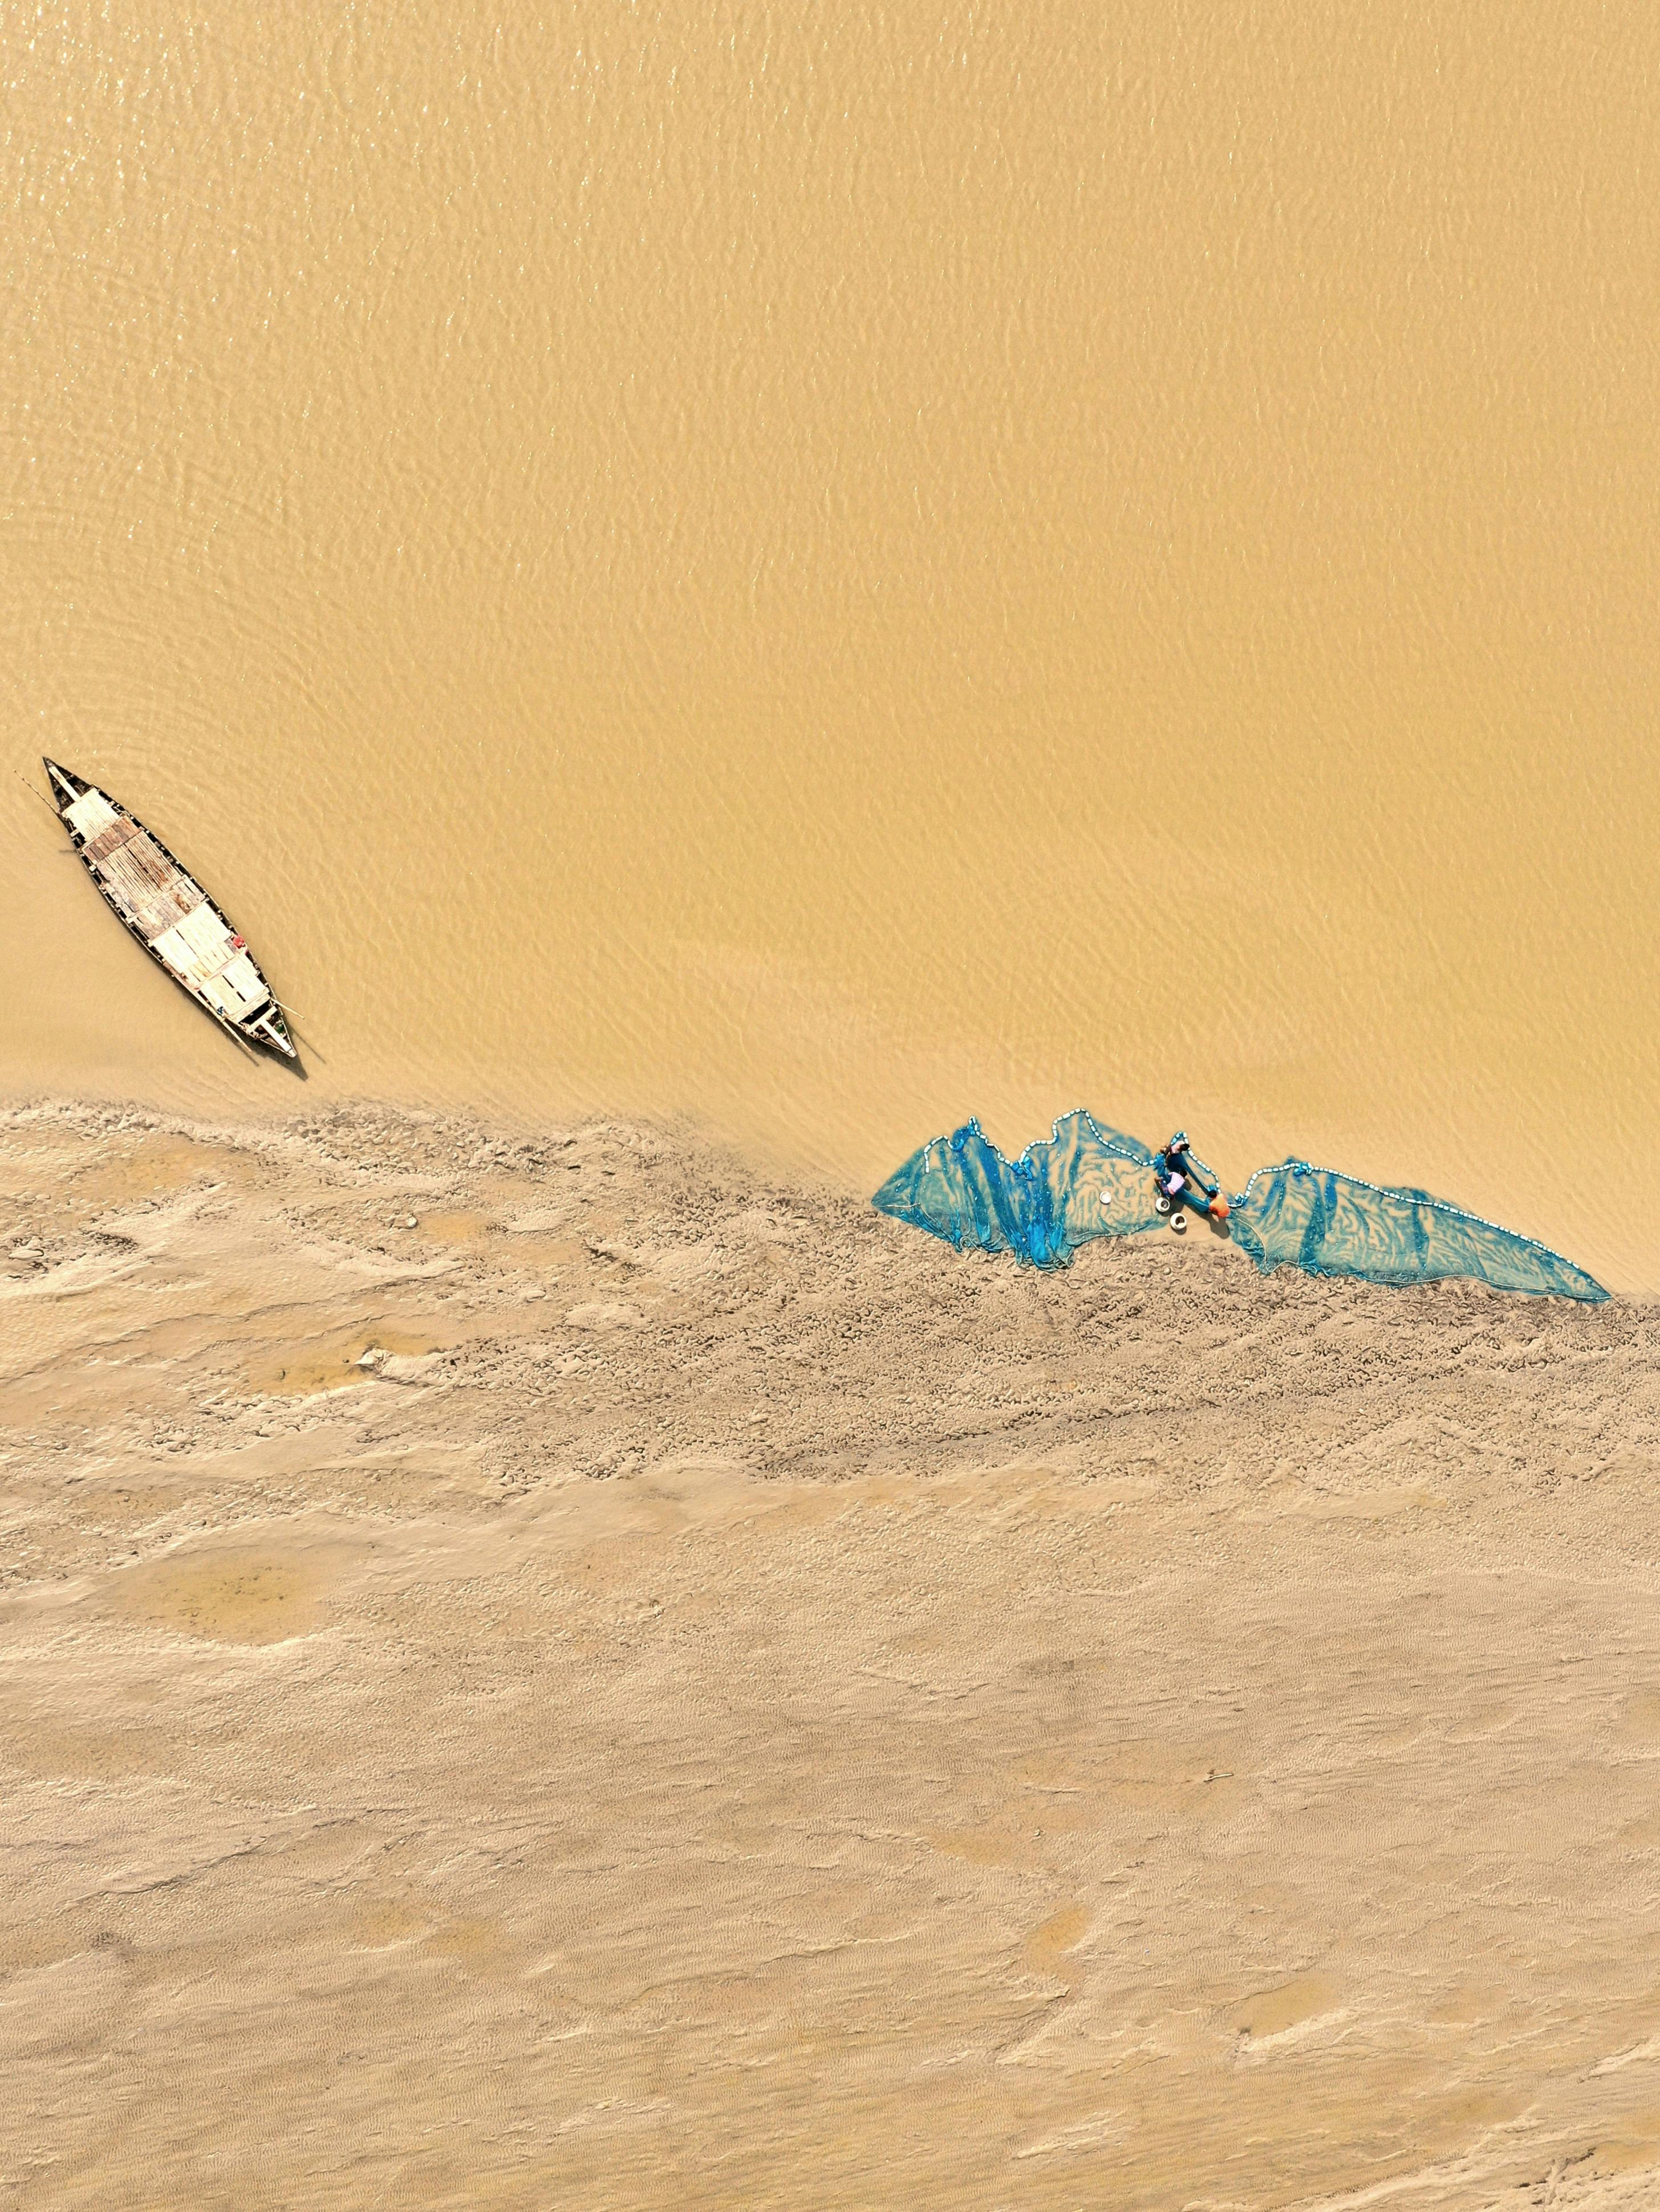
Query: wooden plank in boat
[(199, 946), (146, 883), (90, 814), (236, 990), (108, 840)]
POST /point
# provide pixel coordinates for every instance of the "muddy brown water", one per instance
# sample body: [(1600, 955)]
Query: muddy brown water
[(841, 569)]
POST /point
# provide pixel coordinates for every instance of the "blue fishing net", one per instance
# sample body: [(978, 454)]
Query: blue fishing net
[(1088, 1181)]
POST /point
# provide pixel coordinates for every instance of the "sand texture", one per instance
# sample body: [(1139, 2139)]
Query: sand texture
[(563, 1672)]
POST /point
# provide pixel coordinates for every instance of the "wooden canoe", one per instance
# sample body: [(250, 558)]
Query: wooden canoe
[(163, 906)]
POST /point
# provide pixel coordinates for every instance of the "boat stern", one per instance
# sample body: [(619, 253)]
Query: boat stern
[(268, 1027)]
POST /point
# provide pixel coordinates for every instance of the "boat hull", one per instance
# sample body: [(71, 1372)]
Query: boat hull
[(158, 902)]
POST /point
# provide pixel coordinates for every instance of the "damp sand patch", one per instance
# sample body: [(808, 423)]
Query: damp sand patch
[(1291, 2004), (157, 1169), (1053, 1939), (243, 1594), (457, 1227), (342, 1362)]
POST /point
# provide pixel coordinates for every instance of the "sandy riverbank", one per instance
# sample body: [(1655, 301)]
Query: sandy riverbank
[(653, 1685)]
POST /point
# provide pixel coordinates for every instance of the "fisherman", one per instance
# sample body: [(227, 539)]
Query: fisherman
[(1181, 1178), (1175, 1169)]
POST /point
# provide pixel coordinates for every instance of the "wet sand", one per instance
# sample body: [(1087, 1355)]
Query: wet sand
[(560, 1669)]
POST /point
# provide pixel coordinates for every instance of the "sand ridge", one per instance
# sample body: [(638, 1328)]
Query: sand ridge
[(557, 1667)]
